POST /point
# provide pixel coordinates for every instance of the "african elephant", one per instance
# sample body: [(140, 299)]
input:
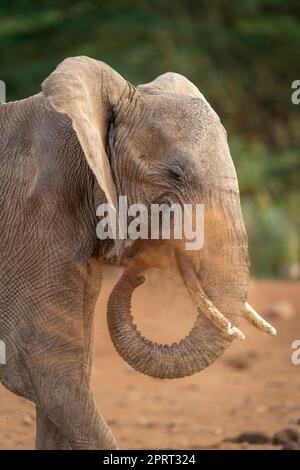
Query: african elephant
[(86, 138)]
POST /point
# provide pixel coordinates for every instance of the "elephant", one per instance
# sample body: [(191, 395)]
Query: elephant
[(86, 138)]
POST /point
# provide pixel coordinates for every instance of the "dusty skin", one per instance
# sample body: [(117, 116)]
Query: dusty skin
[(80, 142), (252, 387)]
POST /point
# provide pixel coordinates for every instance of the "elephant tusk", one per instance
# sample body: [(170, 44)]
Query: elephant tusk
[(256, 320), (203, 302), (216, 317)]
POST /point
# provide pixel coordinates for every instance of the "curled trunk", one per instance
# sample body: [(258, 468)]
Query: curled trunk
[(223, 273), (190, 355)]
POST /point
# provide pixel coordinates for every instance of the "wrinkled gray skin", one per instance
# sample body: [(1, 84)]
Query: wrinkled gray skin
[(88, 137)]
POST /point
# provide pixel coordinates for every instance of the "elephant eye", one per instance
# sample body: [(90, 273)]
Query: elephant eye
[(176, 173)]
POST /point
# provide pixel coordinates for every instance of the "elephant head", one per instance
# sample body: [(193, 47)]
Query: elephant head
[(163, 142)]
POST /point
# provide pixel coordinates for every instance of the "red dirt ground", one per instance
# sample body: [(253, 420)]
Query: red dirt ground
[(253, 387)]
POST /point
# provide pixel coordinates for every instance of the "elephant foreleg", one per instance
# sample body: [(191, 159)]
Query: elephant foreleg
[(48, 436)]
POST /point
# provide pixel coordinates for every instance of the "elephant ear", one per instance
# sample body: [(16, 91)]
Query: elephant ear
[(88, 91), (174, 83)]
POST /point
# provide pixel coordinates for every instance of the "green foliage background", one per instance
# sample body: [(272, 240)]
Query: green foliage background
[(243, 55)]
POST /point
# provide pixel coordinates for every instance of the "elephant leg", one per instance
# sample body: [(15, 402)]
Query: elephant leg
[(70, 414), (48, 436), (60, 370)]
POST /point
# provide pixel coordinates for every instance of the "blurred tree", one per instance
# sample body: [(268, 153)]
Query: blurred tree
[(242, 55)]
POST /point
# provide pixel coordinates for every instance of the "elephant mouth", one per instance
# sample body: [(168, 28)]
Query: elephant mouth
[(132, 250), (208, 338), (128, 250)]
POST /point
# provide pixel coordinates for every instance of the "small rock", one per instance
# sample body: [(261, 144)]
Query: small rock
[(245, 445), (173, 403), (173, 427), (171, 424), (157, 397), (252, 354), (261, 409), (251, 438), (131, 387), (208, 430), (291, 446), (192, 387), (238, 362), (281, 311), (294, 421), (145, 422), (285, 436), (243, 361)]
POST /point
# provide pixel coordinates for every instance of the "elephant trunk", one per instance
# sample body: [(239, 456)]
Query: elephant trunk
[(217, 279)]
